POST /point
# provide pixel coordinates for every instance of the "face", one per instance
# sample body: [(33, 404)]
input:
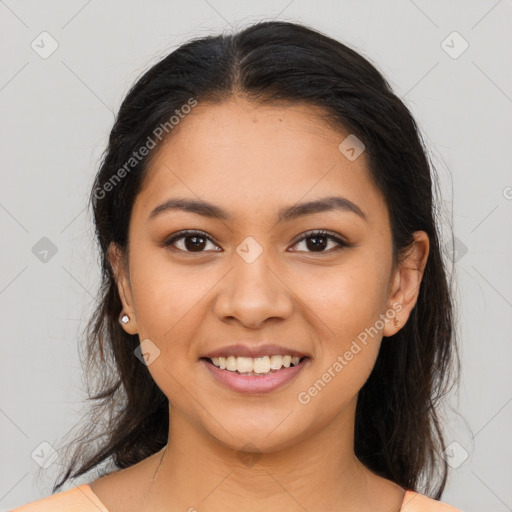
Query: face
[(260, 274)]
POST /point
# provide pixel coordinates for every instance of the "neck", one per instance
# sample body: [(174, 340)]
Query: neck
[(320, 472)]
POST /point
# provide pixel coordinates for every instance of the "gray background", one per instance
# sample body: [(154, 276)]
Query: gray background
[(56, 115)]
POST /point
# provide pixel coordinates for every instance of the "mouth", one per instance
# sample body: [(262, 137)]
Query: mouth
[(255, 365), (254, 375)]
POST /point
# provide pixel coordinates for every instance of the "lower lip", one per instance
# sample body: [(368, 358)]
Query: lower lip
[(253, 384)]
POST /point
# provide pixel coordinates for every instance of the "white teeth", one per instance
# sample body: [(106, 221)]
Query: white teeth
[(276, 362), (244, 364), (231, 364), (259, 365)]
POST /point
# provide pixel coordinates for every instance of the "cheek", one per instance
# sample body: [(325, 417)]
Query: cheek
[(169, 303), (345, 305), (165, 294), (345, 299), (346, 314)]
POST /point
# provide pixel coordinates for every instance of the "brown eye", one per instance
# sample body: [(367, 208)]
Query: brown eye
[(190, 241), (317, 241)]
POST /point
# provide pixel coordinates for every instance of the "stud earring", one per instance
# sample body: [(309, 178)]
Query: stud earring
[(396, 321), (124, 319)]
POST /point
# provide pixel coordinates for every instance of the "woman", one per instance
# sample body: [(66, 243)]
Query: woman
[(275, 324)]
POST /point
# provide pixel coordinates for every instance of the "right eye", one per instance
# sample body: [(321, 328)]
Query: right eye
[(190, 241)]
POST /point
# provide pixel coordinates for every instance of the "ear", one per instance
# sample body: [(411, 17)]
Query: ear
[(119, 267), (405, 283)]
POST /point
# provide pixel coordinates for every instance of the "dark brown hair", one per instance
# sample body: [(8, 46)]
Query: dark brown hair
[(397, 428)]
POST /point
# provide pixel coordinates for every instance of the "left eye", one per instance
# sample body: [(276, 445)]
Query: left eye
[(196, 241), (321, 240)]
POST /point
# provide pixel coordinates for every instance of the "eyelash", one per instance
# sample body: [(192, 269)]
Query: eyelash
[(309, 234)]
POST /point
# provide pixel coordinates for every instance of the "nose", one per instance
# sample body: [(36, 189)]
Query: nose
[(253, 293)]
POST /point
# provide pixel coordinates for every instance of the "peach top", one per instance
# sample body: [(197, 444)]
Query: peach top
[(82, 499)]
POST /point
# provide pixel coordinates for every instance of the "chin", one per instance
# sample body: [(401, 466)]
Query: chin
[(260, 434)]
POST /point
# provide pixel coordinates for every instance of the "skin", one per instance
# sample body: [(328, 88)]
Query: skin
[(253, 160)]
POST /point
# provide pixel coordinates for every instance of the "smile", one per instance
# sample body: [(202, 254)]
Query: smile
[(256, 365), (254, 375)]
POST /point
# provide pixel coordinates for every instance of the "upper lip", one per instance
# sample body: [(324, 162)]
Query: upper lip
[(241, 350)]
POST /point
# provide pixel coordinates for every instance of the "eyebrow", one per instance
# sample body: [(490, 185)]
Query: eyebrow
[(286, 214)]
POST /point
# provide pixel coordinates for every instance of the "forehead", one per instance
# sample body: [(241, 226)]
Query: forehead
[(247, 156)]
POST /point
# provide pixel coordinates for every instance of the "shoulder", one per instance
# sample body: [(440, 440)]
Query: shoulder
[(416, 502), (78, 499)]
